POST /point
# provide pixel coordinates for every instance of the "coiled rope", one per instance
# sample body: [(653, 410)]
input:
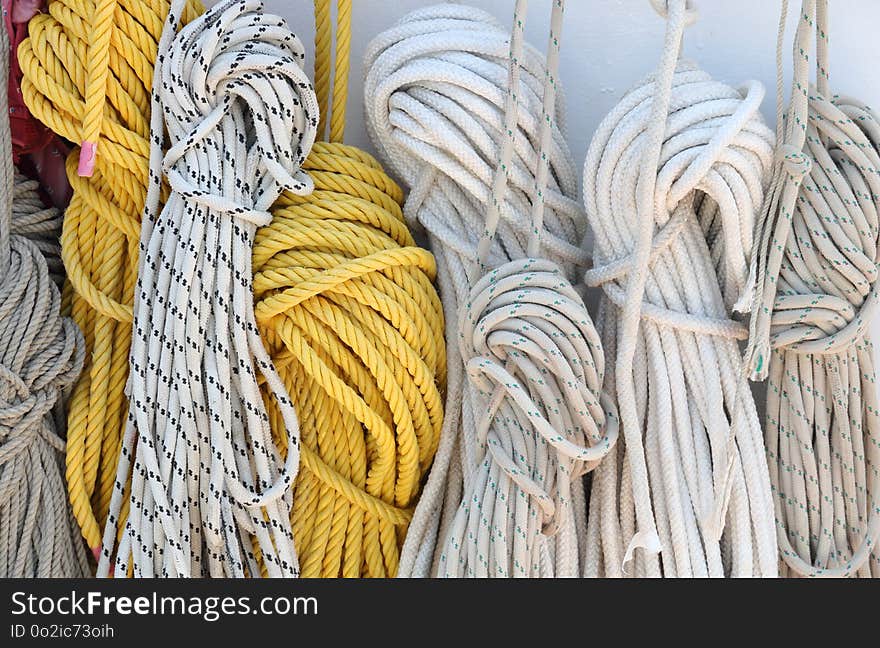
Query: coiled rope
[(92, 62), (41, 354), (346, 304), (504, 497), (210, 493), (673, 182), (818, 293)]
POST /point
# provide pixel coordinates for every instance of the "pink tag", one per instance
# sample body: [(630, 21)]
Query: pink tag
[(87, 159)]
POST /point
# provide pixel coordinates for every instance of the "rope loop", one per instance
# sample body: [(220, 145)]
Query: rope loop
[(436, 105), (249, 63)]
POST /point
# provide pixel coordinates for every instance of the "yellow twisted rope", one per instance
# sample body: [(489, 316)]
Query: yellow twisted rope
[(88, 70), (347, 308)]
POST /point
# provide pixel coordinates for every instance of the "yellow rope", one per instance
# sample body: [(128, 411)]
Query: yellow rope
[(88, 70), (347, 308)]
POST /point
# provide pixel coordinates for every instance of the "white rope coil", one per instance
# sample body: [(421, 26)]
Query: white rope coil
[(492, 184), (41, 353), (818, 294), (673, 182), (210, 494)]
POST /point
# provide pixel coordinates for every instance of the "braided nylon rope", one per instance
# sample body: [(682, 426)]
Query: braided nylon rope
[(345, 302), (818, 294), (210, 493), (452, 102), (41, 354), (673, 182), (100, 234)]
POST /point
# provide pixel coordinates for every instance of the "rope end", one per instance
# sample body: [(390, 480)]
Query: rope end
[(758, 361), (87, 153), (649, 541)]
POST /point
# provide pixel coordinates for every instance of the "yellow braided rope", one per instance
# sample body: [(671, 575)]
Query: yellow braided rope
[(88, 70), (347, 308)]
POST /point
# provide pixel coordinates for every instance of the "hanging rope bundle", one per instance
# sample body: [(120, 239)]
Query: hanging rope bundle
[(355, 327), (210, 494), (453, 102), (41, 354), (673, 182), (817, 295), (88, 66)]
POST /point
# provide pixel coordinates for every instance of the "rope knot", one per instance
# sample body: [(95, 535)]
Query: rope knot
[(238, 75), (712, 168), (530, 348), (826, 294)]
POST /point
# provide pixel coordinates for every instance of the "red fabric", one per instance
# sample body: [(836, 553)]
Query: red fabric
[(31, 138)]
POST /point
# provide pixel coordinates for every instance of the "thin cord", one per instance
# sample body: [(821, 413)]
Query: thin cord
[(210, 494), (673, 182)]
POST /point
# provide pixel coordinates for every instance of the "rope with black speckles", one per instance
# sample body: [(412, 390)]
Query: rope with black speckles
[(210, 494)]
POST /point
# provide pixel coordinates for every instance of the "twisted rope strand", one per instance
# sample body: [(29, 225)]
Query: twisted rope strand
[(210, 494), (673, 181)]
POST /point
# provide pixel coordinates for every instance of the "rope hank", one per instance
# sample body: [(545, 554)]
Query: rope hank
[(346, 305), (673, 182), (41, 354), (99, 240), (210, 493), (818, 293), (487, 179)]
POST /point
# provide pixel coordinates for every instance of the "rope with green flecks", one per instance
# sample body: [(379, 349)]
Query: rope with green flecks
[(535, 359), (817, 295), (453, 102)]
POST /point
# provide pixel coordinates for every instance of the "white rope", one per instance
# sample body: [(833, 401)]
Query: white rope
[(41, 353), (209, 493), (504, 497), (673, 182), (818, 294)]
